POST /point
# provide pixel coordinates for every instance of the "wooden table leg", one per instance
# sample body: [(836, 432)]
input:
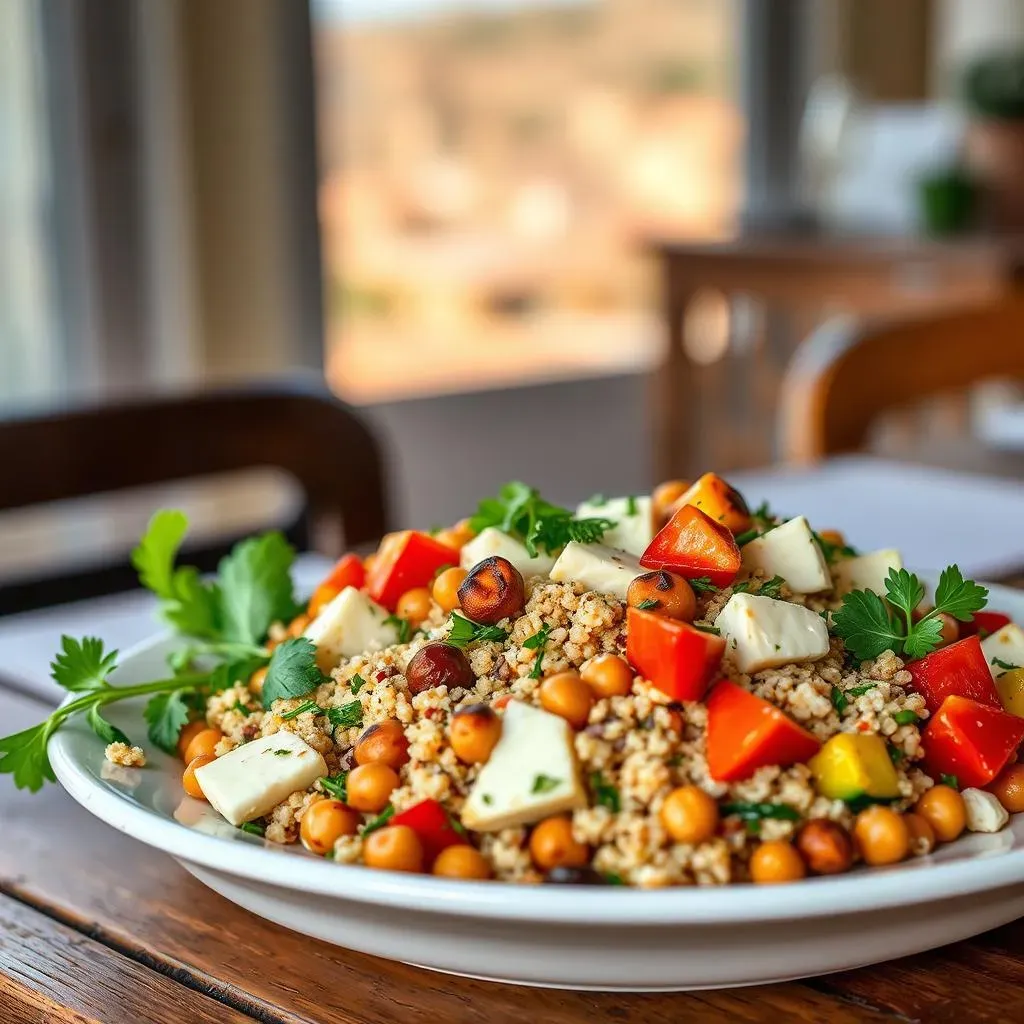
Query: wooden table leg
[(673, 402)]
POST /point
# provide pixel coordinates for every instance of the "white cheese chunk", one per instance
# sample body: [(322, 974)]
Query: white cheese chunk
[(984, 811), (350, 624), (598, 567), (761, 632), (633, 518), (254, 778), (1006, 645), (492, 542), (531, 774), (790, 551), (866, 572)]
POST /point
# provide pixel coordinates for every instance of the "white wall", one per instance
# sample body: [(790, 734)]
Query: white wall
[(967, 28)]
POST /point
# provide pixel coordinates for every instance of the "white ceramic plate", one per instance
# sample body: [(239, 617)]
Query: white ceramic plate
[(560, 936)]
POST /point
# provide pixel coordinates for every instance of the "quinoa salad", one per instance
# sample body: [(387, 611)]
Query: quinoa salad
[(651, 690)]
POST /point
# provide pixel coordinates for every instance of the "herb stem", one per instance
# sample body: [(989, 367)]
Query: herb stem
[(114, 693)]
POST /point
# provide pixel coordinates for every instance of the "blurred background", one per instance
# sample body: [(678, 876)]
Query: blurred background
[(587, 243)]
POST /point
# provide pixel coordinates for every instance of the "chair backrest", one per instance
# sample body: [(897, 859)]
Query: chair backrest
[(847, 373), (299, 428)]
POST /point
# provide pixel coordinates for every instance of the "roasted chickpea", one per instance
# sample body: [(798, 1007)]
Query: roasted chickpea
[(203, 742), (188, 734), (882, 835), (439, 664), (776, 861), (565, 694), (393, 848), (475, 731), (383, 743), (257, 679), (665, 496), (689, 815), (671, 595), (461, 861), (1008, 787), (922, 835), (492, 590), (608, 675), (414, 605), (324, 822), (446, 587), (189, 782), (943, 808), (552, 845), (369, 787), (825, 846)]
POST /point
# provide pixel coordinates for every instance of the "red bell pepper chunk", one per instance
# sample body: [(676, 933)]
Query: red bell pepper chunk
[(984, 624), (406, 560), (348, 571), (970, 740), (746, 733), (959, 670), (677, 658), (433, 826), (692, 544)]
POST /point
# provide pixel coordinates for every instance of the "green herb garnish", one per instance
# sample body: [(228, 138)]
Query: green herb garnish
[(950, 780), (536, 643), (839, 701), (404, 627), (714, 630), (358, 682), (895, 754), (833, 552), (772, 588), (905, 717), (306, 705), (631, 509), (605, 794), (292, 671), (544, 784), (348, 716), (1004, 665), (647, 604), (757, 811), (747, 536), (858, 803), (859, 691), (380, 821), (335, 785), (252, 829), (464, 631), (703, 585)]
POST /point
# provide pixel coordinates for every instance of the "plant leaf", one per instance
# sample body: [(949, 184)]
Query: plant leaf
[(292, 671), (865, 625), (82, 665), (105, 730), (959, 597), (166, 715), (24, 756), (905, 590), (256, 588)]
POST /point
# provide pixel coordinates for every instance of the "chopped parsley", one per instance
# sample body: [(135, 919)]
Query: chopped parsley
[(347, 716), (839, 701), (252, 828), (747, 536), (306, 705), (707, 629), (464, 631), (335, 785), (536, 643), (647, 604), (764, 517), (358, 682), (703, 585), (613, 879), (281, 752), (906, 717), (404, 627), (605, 794), (895, 754), (380, 821), (859, 691), (1004, 665), (950, 780), (544, 783), (772, 587), (858, 803), (292, 671), (631, 509), (240, 707), (756, 811), (833, 552), (487, 799)]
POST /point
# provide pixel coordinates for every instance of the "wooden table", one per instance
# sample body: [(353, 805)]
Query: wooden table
[(94, 926)]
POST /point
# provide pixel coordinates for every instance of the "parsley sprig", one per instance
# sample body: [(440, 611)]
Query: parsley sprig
[(868, 625), (464, 631), (536, 643)]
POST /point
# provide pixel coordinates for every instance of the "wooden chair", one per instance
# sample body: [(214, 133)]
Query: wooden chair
[(298, 428), (848, 373)]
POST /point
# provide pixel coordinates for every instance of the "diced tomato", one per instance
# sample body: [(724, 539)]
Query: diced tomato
[(348, 571), (984, 624), (959, 670), (746, 733), (433, 826), (677, 658), (970, 740), (406, 560), (692, 544)]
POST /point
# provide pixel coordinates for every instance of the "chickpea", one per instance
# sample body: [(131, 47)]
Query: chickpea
[(834, 537), (456, 536), (393, 848), (446, 587), (922, 835), (882, 835), (414, 605), (188, 734), (492, 590), (369, 562), (671, 594), (949, 631), (1008, 788), (608, 675), (565, 694), (439, 664), (461, 861), (475, 731), (825, 846), (689, 815), (943, 808), (257, 679), (299, 625), (369, 787), (383, 743), (776, 861), (552, 845), (204, 742), (324, 822), (665, 496), (189, 782)]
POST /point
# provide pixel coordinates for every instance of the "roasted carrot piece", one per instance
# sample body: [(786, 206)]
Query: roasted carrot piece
[(720, 501)]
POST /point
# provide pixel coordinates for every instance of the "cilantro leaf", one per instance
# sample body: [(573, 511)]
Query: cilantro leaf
[(839, 701), (306, 705), (865, 625), (605, 794), (82, 665), (403, 626), (905, 717), (105, 730), (703, 585), (347, 716), (544, 783), (959, 597), (256, 588), (536, 643), (166, 715), (334, 785), (772, 587), (292, 671), (24, 756), (464, 631)]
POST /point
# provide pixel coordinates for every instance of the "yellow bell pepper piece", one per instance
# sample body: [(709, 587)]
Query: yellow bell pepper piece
[(717, 499), (1011, 691), (855, 764)]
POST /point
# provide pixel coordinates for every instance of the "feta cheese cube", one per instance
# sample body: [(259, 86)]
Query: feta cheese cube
[(598, 567), (790, 551), (633, 518), (984, 811), (531, 774), (254, 778), (760, 632), (866, 572), (350, 624), (492, 542), (1005, 645)]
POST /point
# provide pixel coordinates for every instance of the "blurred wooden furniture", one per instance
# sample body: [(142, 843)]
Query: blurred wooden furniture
[(847, 374), (722, 410), (299, 428)]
